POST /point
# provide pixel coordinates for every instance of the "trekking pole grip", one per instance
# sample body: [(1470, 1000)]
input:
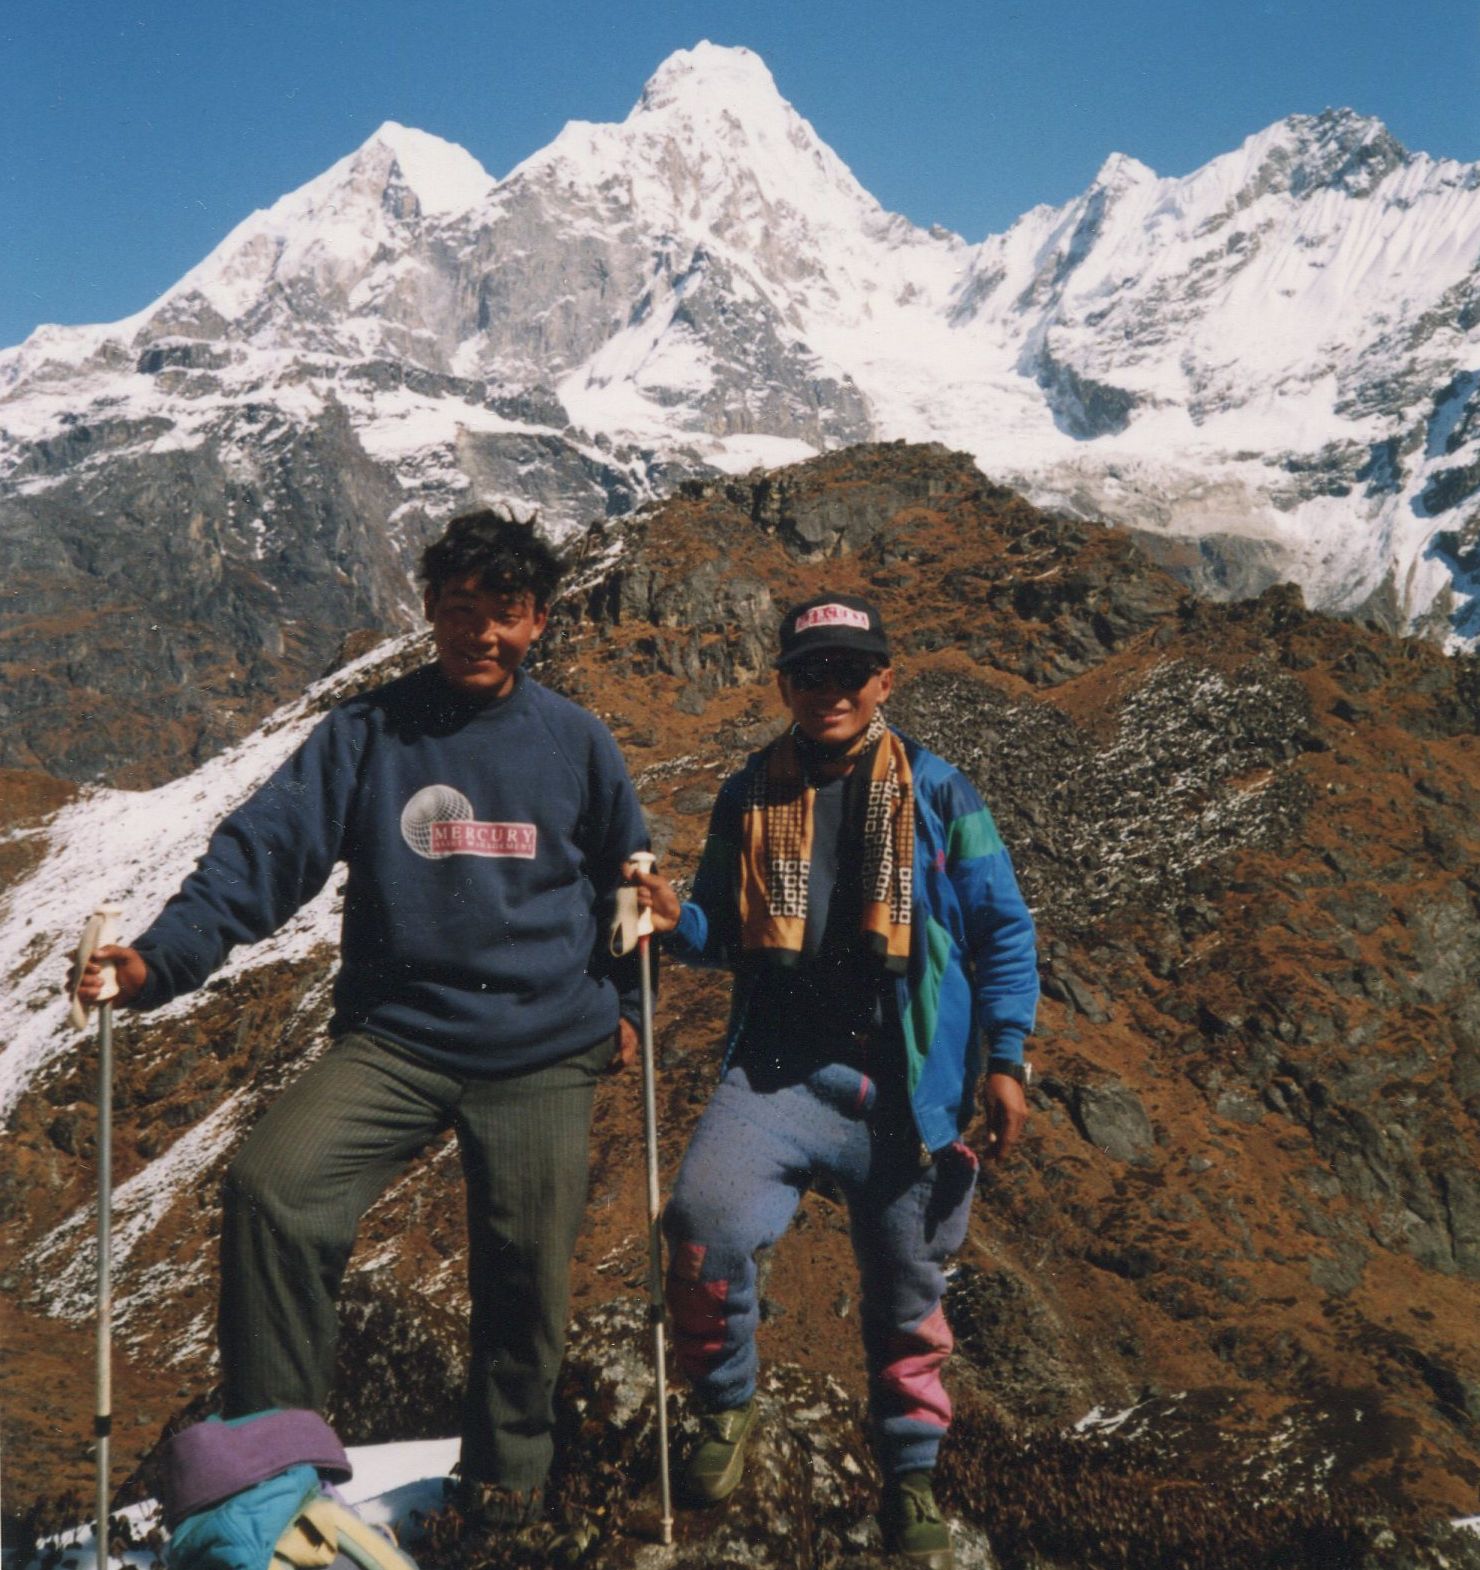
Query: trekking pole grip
[(644, 861), (100, 932)]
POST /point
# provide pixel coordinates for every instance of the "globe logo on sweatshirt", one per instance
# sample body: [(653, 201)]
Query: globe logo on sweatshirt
[(438, 821)]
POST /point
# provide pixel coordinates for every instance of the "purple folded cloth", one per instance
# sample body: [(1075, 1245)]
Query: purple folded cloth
[(214, 1460)]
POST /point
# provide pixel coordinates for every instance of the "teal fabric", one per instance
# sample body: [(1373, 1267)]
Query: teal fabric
[(239, 1533)]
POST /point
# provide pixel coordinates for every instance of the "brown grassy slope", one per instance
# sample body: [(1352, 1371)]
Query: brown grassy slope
[(1249, 834)]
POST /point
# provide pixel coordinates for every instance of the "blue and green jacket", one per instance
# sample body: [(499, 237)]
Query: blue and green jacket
[(973, 967)]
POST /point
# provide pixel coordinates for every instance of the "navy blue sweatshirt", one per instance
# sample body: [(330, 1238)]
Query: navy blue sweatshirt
[(483, 842)]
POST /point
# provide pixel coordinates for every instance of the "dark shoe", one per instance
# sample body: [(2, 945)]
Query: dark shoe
[(717, 1464), (912, 1524)]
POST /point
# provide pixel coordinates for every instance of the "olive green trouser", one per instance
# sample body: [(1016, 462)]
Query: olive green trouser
[(327, 1148)]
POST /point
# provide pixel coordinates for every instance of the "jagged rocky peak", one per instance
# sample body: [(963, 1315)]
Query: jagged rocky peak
[(325, 236), (1337, 149), (285, 276), (433, 176)]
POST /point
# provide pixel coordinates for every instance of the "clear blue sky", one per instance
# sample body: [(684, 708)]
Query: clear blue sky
[(135, 133)]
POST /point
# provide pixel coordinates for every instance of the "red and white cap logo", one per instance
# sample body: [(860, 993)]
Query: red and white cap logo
[(832, 616)]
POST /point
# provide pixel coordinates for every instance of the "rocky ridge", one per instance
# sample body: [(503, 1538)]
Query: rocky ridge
[(1221, 1309)]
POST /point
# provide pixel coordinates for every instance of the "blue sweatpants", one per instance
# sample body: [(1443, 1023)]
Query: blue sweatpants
[(752, 1157)]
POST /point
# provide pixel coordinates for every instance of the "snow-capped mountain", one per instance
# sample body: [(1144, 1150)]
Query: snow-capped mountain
[(1270, 367)]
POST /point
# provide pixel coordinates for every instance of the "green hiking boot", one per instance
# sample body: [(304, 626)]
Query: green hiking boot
[(717, 1464), (912, 1524)]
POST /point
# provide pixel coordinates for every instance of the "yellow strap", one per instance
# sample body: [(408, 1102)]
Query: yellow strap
[(310, 1541), (324, 1529), (366, 1544)]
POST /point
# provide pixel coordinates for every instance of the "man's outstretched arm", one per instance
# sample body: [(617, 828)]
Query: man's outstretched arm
[(264, 861)]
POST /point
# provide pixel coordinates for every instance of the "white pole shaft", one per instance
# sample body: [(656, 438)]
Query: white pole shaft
[(103, 1422), (101, 931), (655, 1243)]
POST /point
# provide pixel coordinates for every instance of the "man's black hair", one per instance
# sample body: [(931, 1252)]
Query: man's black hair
[(507, 556)]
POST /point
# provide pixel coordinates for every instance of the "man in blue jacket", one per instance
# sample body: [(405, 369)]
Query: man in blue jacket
[(484, 821), (857, 887)]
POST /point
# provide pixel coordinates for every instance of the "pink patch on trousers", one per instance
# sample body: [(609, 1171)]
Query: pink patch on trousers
[(688, 1261), (910, 1380), (698, 1310)]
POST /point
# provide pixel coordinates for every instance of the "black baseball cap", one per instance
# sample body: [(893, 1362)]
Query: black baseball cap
[(840, 623)]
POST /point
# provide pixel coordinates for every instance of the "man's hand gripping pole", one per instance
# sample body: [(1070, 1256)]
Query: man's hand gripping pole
[(100, 932)]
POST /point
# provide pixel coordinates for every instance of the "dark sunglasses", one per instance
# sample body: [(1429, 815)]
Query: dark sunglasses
[(847, 674)]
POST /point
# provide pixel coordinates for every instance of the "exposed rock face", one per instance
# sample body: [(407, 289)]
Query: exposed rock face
[(1246, 1205), (158, 604), (137, 646)]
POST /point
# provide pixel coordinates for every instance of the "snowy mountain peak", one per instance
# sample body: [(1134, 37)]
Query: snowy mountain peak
[(303, 256), (1120, 171), (720, 111), (711, 150), (709, 78), (444, 177), (1247, 351)]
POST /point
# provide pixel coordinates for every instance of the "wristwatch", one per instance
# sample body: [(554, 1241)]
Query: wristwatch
[(1021, 1072)]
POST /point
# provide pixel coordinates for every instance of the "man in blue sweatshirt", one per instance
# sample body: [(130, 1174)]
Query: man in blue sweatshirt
[(484, 821), (856, 886)]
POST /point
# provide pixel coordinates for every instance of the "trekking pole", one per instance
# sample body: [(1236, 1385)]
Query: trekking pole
[(645, 861), (102, 929)]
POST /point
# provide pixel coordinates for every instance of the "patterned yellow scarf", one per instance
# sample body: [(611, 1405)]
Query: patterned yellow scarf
[(776, 847)]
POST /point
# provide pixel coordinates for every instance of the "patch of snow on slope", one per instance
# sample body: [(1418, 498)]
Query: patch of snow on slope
[(134, 848), (741, 454), (64, 1259)]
